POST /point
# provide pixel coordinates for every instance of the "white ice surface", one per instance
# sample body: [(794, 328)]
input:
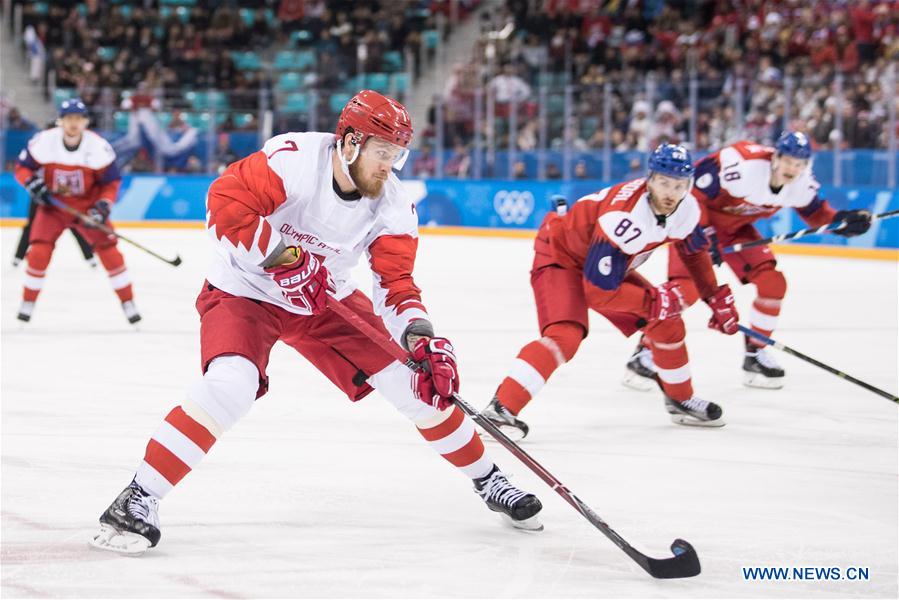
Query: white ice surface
[(314, 496)]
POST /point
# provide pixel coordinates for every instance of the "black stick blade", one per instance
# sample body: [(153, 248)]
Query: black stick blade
[(684, 563), (176, 261)]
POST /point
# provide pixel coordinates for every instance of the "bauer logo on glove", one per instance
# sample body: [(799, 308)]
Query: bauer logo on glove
[(438, 379)]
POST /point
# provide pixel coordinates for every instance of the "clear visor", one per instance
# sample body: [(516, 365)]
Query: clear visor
[(385, 153)]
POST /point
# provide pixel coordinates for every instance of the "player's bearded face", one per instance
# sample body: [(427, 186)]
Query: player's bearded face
[(371, 170), (665, 193), (73, 125)]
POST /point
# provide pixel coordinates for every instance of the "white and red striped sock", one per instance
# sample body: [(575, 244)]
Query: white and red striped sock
[(453, 437), (176, 447)]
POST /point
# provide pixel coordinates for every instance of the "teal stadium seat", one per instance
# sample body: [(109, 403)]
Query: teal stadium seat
[(305, 59), (179, 2), (183, 14), (393, 61), (246, 61), (399, 82), (380, 82), (300, 37), (430, 38), (285, 60), (242, 120), (120, 120), (107, 53), (248, 15), (289, 82), (296, 102), (62, 94), (589, 125), (337, 101), (207, 100), (354, 84)]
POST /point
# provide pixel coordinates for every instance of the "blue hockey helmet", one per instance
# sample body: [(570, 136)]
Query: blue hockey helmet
[(671, 160), (72, 106), (795, 144)]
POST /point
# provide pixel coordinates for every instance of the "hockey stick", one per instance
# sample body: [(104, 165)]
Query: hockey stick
[(797, 354), (803, 232), (684, 563), (109, 231)]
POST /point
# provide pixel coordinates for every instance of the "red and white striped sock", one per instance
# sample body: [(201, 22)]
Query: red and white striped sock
[(176, 447), (452, 434), (763, 317)]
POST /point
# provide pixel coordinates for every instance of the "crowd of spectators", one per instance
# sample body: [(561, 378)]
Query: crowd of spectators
[(108, 51), (824, 61), (752, 60)]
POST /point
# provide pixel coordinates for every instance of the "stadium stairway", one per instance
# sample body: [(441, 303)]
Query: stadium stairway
[(16, 84), (457, 49)]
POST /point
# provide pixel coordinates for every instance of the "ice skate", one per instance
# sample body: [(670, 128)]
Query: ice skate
[(503, 418), (25, 311), (760, 370), (131, 311), (640, 373), (518, 507), (694, 412), (130, 525)]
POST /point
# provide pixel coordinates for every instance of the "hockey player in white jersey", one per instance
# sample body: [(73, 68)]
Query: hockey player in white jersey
[(288, 223)]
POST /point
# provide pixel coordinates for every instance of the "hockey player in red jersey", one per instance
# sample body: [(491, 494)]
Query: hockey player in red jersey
[(587, 259), (288, 224), (76, 167), (737, 186)]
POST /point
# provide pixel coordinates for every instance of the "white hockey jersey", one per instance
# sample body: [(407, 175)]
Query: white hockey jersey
[(283, 195), (80, 176), (733, 185)]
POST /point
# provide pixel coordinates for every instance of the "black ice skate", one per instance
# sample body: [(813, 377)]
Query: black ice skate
[(131, 523), (518, 507), (131, 311), (25, 311), (695, 412), (503, 418), (640, 373), (760, 370)]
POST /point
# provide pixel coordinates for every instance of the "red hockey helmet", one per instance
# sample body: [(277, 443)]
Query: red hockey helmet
[(369, 114)]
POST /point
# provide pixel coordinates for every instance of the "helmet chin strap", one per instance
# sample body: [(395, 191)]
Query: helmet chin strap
[(344, 163)]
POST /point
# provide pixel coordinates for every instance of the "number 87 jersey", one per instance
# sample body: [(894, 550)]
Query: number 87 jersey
[(613, 231)]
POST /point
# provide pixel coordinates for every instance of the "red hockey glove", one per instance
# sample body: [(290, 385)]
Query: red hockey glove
[(667, 302), (438, 379), (724, 313), (304, 282)]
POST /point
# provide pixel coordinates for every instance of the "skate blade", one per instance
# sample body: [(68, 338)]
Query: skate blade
[(682, 419), (759, 381), (638, 382), (531, 524), (516, 434), (126, 544)]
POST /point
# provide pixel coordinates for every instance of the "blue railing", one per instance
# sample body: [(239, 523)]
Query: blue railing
[(472, 203)]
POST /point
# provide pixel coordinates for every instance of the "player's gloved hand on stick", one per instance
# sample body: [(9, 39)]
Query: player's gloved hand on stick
[(38, 191), (99, 212), (304, 282), (724, 312), (438, 379), (857, 222), (667, 302)]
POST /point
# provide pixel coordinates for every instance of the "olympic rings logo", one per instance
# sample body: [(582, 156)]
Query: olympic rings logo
[(513, 207)]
